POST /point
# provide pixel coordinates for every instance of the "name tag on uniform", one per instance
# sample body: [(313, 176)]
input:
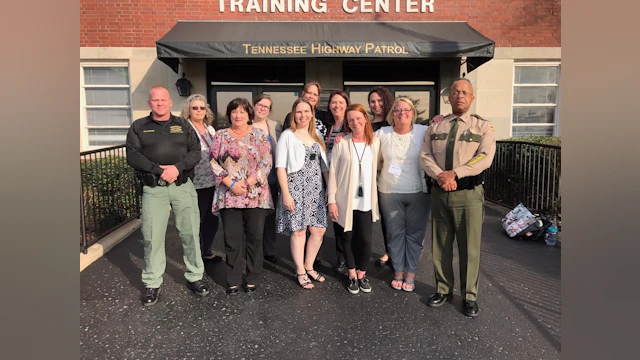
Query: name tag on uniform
[(395, 169)]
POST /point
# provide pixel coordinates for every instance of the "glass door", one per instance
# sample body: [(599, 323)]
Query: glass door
[(282, 96), (422, 96)]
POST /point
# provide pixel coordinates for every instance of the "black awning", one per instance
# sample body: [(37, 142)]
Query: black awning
[(297, 40)]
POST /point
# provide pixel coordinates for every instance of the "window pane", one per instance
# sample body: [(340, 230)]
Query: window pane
[(534, 95), (534, 114), (223, 98), (107, 137), (107, 96), (536, 75), (281, 104), (106, 76), (360, 97), (420, 101), (520, 131), (106, 117)]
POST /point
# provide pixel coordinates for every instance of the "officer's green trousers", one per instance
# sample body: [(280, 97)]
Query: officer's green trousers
[(457, 214), (157, 202)]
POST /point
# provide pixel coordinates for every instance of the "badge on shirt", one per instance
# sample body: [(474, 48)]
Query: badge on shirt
[(395, 169), (175, 129), (473, 130)]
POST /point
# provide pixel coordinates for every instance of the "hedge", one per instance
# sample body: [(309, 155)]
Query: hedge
[(109, 195)]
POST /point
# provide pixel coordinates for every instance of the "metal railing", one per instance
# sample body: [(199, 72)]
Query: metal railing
[(526, 173), (108, 195)]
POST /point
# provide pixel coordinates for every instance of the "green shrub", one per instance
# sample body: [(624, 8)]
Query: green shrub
[(547, 140), (109, 195)]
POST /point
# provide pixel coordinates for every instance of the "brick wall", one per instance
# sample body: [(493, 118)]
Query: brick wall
[(139, 23)]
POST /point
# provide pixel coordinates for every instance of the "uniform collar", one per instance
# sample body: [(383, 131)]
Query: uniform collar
[(466, 117), (171, 118)]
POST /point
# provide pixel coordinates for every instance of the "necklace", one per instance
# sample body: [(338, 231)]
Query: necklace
[(241, 132)]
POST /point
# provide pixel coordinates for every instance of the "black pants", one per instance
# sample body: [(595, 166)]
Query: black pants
[(339, 231), (357, 243), (384, 231), (250, 223), (269, 237), (208, 221)]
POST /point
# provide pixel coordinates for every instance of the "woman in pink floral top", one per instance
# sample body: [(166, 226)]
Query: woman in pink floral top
[(241, 162)]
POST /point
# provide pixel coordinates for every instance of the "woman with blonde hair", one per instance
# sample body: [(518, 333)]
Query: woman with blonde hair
[(404, 203), (354, 204), (301, 165), (197, 111)]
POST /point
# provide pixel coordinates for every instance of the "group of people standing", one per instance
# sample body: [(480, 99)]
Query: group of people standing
[(340, 165)]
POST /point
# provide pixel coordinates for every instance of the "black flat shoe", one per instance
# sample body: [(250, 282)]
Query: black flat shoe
[(212, 258), (271, 258), (471, 308), (198, 288), (341, 267), (381, 263), (249, 289), (151, 296), (233, 290), (437, 299)]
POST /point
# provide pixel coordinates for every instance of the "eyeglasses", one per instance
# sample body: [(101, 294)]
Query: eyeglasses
[(258, 105), (400, 111), (457, 93), (196, 108)]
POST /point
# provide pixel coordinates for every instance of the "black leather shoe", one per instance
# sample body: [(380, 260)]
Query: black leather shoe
[(437, 299), (233, 290), (471, 308), (340, 267), (151, 296), (198, 288), (271, 258), (250, 289)]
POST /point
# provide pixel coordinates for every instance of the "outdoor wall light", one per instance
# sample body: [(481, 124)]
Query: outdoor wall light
[(184, 86)]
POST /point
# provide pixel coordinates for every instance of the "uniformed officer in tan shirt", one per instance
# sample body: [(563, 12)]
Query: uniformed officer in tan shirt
[(455, 152)]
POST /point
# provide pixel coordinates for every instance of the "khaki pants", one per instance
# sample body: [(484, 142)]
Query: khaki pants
[(183, 200), (457, 215)]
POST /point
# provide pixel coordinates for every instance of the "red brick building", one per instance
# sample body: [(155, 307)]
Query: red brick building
[(510, 50)]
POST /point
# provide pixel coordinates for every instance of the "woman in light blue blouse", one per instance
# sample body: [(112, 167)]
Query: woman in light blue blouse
[(198, 112)]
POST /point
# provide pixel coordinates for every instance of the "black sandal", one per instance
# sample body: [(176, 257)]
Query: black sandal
[(318, 276), (306, 283)]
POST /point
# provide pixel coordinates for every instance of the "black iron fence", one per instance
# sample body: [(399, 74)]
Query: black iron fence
[(526, 173), (108, 194)]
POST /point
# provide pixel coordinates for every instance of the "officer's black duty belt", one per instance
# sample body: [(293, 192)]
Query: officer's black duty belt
[(153, 180), (466, 183)]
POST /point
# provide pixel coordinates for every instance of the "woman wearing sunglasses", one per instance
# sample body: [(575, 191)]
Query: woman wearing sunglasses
[(403, 200), (198, 112)]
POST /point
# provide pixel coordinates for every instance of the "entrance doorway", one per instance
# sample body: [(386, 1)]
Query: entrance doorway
[(282, 96), (422, 94)]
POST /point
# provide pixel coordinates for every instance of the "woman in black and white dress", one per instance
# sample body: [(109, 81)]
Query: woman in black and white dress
[(301, 166)]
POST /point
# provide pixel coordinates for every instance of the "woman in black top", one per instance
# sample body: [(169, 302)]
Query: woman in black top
[(380, 102)]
